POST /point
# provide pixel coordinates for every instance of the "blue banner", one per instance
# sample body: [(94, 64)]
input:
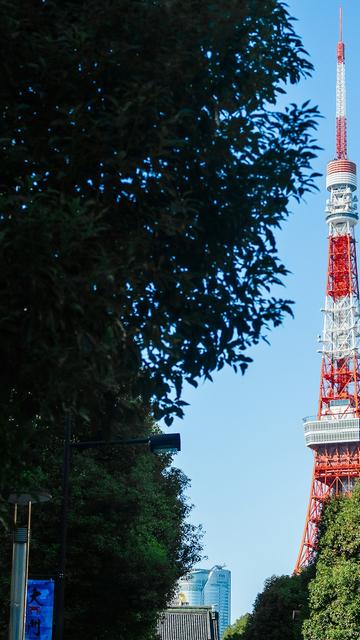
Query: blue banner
[(39, 610)]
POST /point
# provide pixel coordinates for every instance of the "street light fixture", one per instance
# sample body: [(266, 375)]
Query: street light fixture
[(158, 443), (165, 443)]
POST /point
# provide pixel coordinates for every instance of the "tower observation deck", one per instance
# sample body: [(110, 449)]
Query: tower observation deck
[(334, 433)]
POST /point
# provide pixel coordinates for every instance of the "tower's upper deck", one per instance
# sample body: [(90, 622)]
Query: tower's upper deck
[(341, 182), (341, 173)]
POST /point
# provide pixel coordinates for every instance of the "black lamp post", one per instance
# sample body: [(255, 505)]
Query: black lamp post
[(159, 443)]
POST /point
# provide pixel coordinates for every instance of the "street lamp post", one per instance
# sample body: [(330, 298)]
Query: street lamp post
[(158, 443), (19, 576), (20, 559)]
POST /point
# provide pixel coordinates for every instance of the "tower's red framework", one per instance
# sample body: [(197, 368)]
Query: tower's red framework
[(334, 434)]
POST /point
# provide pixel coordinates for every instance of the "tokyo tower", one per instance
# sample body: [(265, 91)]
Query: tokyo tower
[(334, 434)]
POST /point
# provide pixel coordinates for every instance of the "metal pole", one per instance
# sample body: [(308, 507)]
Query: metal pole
[(59, 611), (18, 581), (27, 565)]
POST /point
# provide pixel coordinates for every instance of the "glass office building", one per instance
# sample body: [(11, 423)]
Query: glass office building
[(208, 587)]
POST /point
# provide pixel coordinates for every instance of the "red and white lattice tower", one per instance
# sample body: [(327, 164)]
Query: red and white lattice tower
[(334, 434)]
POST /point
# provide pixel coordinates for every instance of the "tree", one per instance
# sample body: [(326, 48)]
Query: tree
[(237, 630), (334, 600), (128, 540), (280, 609), (145, 169)]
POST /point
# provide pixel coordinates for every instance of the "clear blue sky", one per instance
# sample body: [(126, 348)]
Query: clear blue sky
[(242, 438)]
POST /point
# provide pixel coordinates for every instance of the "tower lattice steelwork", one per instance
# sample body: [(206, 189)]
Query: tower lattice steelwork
[(334, 434)]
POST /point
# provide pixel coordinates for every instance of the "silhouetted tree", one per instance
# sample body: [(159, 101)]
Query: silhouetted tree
[(145, 168)]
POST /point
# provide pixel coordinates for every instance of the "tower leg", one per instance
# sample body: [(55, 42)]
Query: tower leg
[(336, 469), (319, 492)]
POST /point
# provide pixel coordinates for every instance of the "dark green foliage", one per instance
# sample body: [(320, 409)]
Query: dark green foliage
[(237, 630), (280, 609), (144, 171), (335, 591), (128, 542)]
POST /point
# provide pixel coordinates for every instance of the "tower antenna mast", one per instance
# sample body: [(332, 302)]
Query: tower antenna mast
[(341, 21), (334, 433), (341, 124)]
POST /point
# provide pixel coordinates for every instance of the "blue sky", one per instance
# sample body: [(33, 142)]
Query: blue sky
[(242, 438)]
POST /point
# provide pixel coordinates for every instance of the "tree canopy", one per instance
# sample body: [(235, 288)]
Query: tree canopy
[(236, 631), (145, 167), (280, 609), (334, 600), (128, 539)]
